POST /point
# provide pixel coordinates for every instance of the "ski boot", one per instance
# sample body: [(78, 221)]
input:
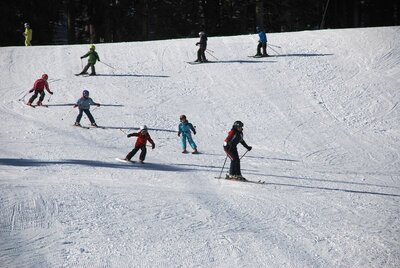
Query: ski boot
[(39, 103), (184, 151), (94, 125), (77, 124), (195, 151)]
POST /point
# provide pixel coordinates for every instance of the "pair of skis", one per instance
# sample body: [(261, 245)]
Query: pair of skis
[(241, 180)]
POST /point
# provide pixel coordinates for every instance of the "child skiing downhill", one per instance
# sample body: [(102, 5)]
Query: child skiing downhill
[(201, 56), (142, 137), (235, 136), (28, 34), (84, 107), (93, 57), (262, 43), (39, 86), (184, 128)]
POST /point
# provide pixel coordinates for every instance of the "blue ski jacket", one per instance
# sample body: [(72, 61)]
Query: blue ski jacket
[(262, 36)]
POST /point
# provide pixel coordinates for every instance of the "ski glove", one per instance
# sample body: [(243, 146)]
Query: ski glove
[(51, 93), (153, 146), (98, 104), (129, 135), (75, 106), (30, 91), (249, 148)]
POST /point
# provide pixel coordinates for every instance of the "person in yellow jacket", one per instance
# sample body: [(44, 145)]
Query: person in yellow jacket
[(27, 34)]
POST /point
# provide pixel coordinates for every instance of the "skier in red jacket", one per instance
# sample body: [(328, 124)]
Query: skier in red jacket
[(38, 87), (142, 137)]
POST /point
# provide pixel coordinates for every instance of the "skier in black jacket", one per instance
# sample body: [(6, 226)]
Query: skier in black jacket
[(201, 57), (235, 136)]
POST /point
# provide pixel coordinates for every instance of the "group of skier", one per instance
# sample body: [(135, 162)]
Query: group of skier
[(185, 129)]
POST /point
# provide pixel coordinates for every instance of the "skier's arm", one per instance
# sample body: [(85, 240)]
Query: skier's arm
[(86, 55), (245, 145), (46, 85), (153, 145), (132, 135), (192, 128), (78, 103)]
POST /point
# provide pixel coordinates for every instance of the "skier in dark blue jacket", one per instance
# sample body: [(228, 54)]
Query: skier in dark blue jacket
[(262, 43)]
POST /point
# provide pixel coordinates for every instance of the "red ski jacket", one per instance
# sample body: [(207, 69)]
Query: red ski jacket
[(40, 85), (142, 139)]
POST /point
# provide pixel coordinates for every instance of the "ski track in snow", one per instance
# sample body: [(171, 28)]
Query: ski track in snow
[(322, 117)]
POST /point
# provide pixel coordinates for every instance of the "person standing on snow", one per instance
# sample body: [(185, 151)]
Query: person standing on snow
[(38, 87), (93, 57), (201, 56), (84, 107), (184, 128), (28, 34), (235, 136), (142, 137), (262, 43)]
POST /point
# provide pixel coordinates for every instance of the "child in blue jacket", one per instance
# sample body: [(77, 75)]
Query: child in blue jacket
[(184, 128), (262, 43)]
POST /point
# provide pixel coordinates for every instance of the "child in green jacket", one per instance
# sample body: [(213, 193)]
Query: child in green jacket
[(93, 57)]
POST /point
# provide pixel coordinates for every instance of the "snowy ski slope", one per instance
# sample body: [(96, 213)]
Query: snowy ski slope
[(322, 117)]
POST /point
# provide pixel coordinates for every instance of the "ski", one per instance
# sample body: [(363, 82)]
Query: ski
[(35, 105), (85, 127), (246, 181), (197, 62), (101, 127), (124, 161), (256, 57)]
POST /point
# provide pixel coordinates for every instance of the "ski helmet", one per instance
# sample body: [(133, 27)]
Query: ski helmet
[(201, 33), (26, 25), (258, 28), (45, 76), (143, 128), (182, 117), (92, 47), (85, 93), (238, 124)]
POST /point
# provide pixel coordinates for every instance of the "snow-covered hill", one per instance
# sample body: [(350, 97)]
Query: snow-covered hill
[(322, 117)]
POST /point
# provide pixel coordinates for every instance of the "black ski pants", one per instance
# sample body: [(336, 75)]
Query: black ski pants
[(264, 48), (233, 154), (91, 65), (201, 56), (87, 112), (135, 150), (34, 96)]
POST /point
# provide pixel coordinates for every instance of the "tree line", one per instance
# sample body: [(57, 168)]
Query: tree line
[(95, 21)]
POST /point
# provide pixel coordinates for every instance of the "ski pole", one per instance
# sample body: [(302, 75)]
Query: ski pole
[(23, 97), (126, 133), (81, 64), (274, 46), (244, 154), (274, 50), (210, 50), (223, 167), (67, 114), (108, 65), (48, 100), (211, 55)]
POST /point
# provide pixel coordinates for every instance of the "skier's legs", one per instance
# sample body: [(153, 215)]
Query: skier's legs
[(34, 96), (259, 48), (191, 142), (235, 163), (183, 141), (89, 115), (199, 54), (142, 155), (92, 69), (132, 153), (79, 117), (42, 94), (203, 55), (86, 68), (264, 48)]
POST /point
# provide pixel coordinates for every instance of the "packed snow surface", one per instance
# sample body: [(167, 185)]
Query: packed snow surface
[(323, 117)]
